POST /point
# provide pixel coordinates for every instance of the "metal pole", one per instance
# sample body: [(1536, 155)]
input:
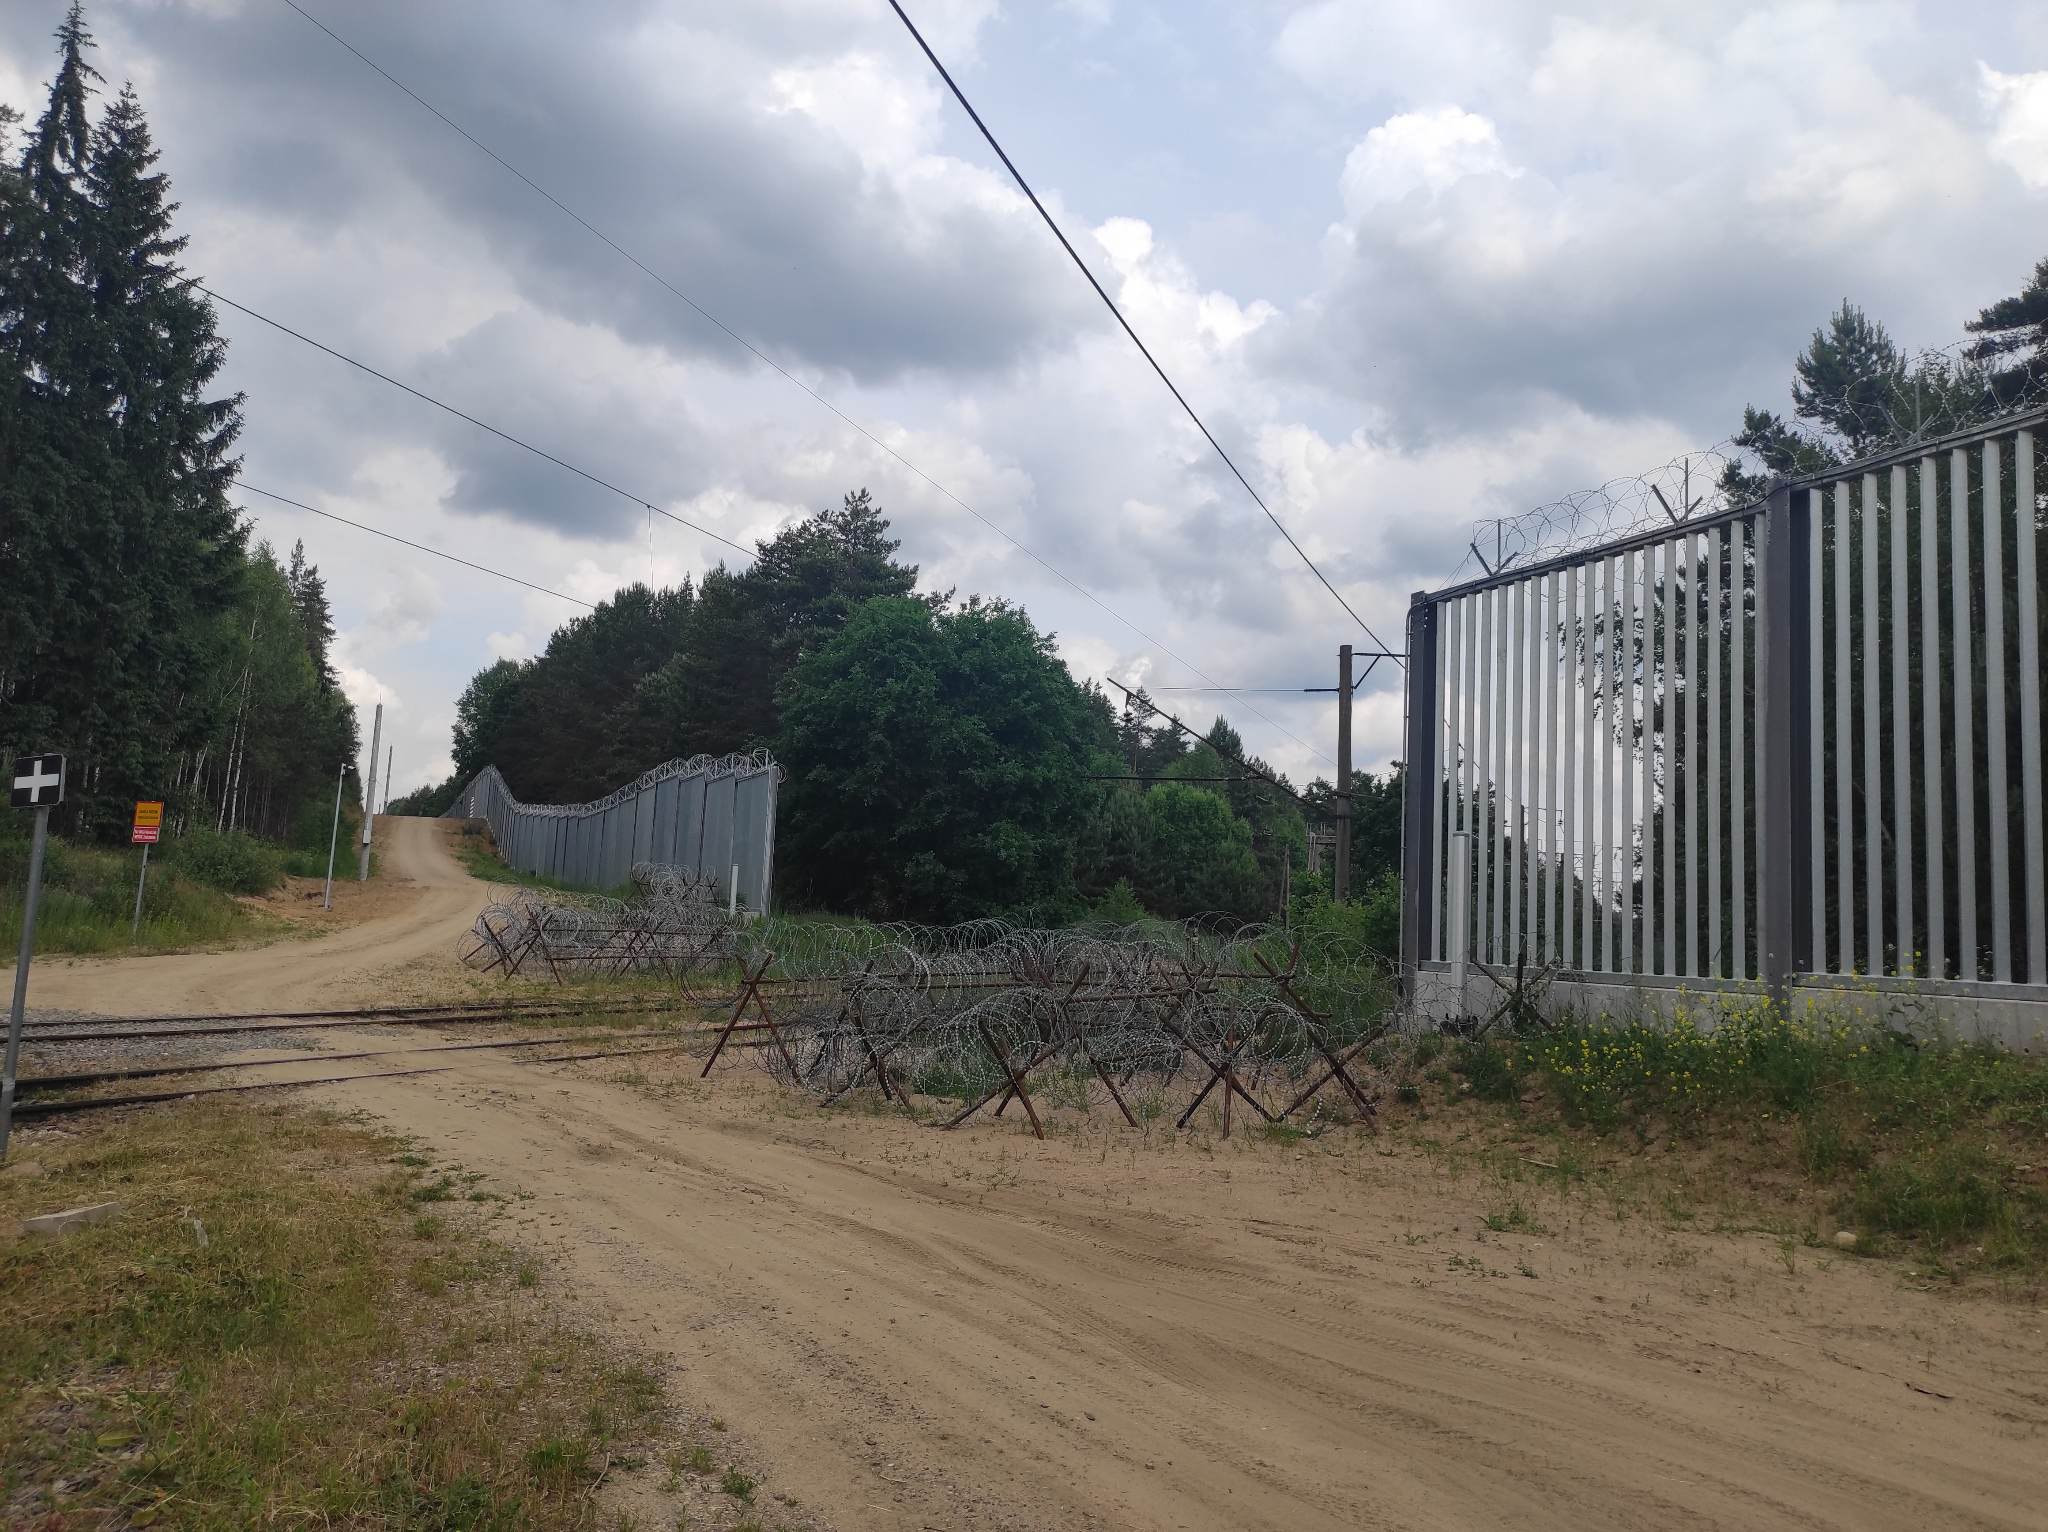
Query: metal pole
[(1340, 883), (333, 839), (1423, 795), (1785, 635), (389, 750), (370, 797), (135, 926), (28, 948)]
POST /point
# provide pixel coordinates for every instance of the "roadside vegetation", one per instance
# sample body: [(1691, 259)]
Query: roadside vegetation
[(294, 1321), (1921, 1146), (89, 894)]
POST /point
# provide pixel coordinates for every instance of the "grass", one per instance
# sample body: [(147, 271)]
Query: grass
[(478, 853), (1919, 1144), (89, 900), (327, 1354)]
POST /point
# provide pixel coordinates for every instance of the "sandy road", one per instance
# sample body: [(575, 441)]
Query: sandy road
[(433, 902), (916, 1330), (975, 1330)]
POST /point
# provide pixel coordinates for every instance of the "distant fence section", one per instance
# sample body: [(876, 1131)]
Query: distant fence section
[(1793, 747), (709, 816)]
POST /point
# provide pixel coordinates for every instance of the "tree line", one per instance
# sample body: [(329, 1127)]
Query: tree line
[(943, 762), (140, 633)]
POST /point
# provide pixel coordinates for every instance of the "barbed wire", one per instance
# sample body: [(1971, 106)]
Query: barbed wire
[(1927, 396)]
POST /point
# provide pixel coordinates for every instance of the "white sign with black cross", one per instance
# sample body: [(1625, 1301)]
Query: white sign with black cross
[(38, 784), (38, 781)]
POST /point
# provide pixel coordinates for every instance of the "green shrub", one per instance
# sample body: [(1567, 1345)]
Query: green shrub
[(1118, 905), (230, 861)]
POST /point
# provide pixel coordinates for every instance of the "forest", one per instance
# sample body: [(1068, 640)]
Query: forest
[(142, 634), (943, 762)]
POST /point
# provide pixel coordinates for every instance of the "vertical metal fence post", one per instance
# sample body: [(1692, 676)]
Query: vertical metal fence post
[(1419, 774), (1784, 804)]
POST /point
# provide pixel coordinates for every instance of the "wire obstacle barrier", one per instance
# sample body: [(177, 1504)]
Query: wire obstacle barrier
[(990, 1013), (676, 924)]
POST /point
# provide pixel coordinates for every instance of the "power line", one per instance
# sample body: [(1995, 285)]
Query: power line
[(1132, 696), (1109, 302), (301, 505), (710, 318), (481, 425)]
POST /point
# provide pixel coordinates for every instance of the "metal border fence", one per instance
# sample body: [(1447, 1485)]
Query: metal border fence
[(1790, 744), (711, 816)]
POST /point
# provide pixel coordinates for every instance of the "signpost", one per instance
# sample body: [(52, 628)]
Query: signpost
[(37, 783), (149, 823)]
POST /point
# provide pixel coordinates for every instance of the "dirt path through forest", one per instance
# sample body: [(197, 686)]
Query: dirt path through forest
[(430, 903)]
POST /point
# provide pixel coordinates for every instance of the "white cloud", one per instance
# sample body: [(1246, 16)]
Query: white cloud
[(2018, 105), (508, 646), (1424, 152)]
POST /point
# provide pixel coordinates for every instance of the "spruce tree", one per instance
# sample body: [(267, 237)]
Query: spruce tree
[(119, 546)]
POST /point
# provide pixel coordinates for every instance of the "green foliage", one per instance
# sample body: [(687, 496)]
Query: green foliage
[(1198, 855), (934, 764), (229, 861), (89, 900), (1119, 906), (2013, 332), (136, 634), (1917, 1136)]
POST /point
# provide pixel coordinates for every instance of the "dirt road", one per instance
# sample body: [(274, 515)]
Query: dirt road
[(913, 1330), (432, 903), (975, 1330)]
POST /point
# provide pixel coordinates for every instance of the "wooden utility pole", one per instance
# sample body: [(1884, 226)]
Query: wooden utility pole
[(1340, 881)]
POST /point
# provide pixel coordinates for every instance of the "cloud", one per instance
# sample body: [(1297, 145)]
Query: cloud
[(1484, 254), (1420, 153), (2018, 105)]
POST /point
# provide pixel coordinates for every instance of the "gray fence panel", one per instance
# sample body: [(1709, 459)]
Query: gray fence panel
[(715, 859), (661, 824), (703, 815), (690, 823), (754, 835)]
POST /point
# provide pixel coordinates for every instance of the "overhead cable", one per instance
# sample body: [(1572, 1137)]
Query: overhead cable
[(301, 505), (481, 425), (1109, 302), (763, 357)]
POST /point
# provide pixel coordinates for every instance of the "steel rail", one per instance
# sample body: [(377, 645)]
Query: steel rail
[(148, 1098), (452, 1008), (216, 1066), (240, 1029)]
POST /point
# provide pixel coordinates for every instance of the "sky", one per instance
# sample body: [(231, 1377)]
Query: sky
[(1417, 263)]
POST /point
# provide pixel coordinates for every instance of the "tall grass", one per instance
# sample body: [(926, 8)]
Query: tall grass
[(1915, 1138), (89, 900)]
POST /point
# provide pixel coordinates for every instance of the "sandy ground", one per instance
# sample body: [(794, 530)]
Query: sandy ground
[(412, 915), (919, 1330)]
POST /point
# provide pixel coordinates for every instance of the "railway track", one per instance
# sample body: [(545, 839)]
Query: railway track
[(233, 1023), (33, 1088)]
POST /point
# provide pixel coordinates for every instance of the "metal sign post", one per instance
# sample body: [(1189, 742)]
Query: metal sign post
[(149, 820), (333, 839), (38, 784)]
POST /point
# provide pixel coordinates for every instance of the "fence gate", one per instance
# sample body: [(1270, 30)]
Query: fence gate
[(1793, 746)]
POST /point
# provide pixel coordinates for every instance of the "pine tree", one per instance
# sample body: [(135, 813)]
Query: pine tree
[(2013, 338)]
